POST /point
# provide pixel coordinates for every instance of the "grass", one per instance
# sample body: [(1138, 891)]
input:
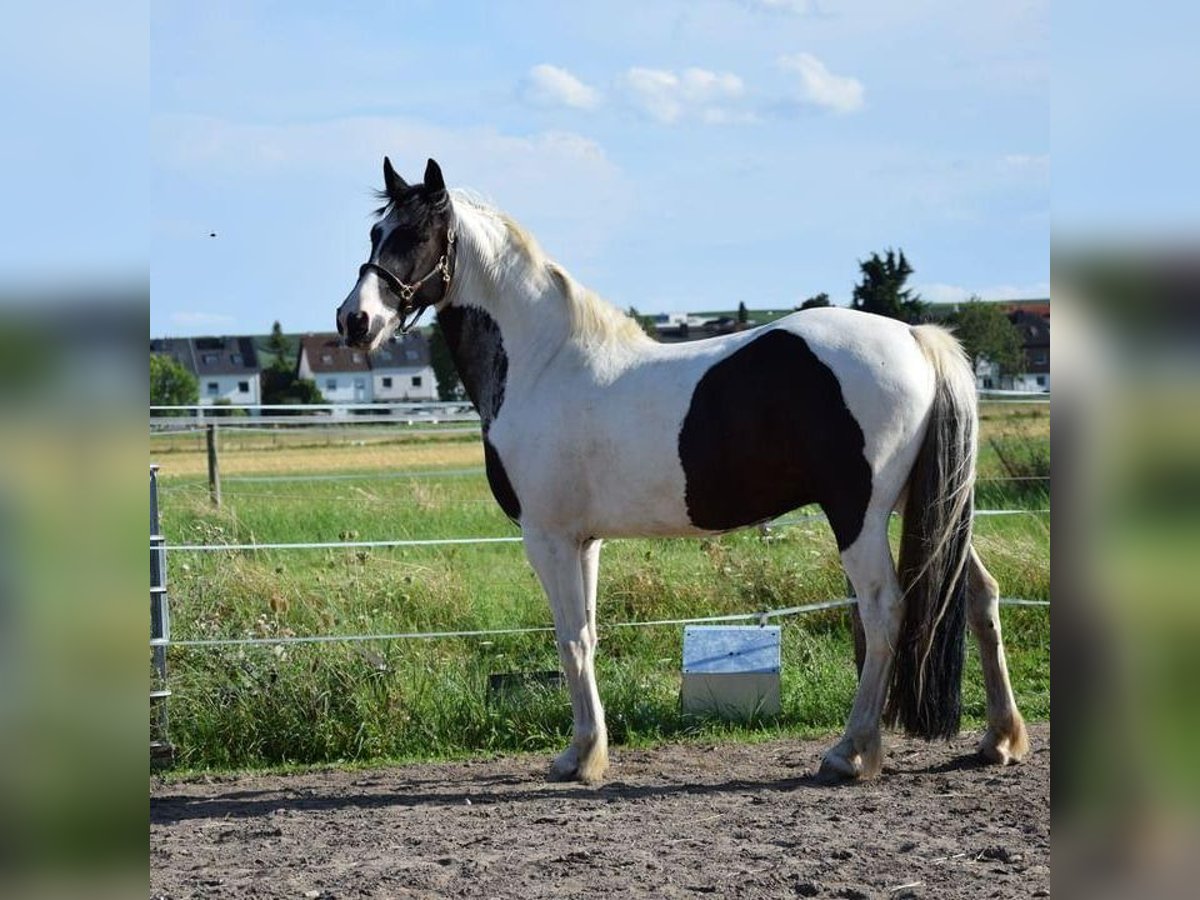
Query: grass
[(276, 705)]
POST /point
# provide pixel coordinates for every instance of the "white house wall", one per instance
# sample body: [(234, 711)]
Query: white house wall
[(402, 387), (227, 389)]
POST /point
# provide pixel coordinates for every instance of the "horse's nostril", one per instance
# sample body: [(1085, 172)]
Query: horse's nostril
[(358, 324)]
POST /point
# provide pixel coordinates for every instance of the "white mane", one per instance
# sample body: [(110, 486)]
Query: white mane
[(508, 254)]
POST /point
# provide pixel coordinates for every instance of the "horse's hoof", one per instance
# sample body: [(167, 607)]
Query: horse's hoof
[(1004, 748), (588, 769), (565, 766), (836, 769)]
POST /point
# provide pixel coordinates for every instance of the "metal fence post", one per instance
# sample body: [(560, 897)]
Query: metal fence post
[(214, 467), (161, 750)]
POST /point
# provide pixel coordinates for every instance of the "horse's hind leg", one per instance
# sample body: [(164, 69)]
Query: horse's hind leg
[(1006, 740), (568, 573), (868, 562)]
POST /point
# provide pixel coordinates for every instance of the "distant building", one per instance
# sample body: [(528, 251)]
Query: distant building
[(398, 371), (225, 367), (401, 370), (1031, 319), (342, 374)]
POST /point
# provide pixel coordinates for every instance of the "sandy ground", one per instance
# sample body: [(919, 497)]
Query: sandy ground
[(730, 820)]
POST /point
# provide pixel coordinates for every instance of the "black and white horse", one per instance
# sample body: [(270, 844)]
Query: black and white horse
[(593, 430)]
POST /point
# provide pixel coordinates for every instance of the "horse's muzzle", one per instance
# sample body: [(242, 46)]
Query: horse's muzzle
[(358, 328)]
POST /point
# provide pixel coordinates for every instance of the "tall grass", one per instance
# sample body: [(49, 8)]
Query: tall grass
[(281, 704)]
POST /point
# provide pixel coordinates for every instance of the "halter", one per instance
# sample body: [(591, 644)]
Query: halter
[(406, 292)]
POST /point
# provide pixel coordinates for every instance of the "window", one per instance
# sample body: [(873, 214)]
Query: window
[(1041, 380), (243, 387), (235, 358), (327, 358), (331, 384), (410, 354), (387, 381), (359, 383), (416, 381), (358, 357), (209, 359), (213, 388)]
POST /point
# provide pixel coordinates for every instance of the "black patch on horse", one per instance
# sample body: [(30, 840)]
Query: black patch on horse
[(474, 341), (767, 431)]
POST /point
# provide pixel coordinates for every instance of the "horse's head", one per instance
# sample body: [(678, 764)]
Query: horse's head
[(412, 256)]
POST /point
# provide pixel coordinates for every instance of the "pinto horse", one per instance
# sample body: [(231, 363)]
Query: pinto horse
[(592, 430)]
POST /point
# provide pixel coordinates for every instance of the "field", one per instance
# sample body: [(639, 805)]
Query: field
[(350, 703)]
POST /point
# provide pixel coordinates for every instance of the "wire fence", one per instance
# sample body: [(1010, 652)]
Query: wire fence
[(760, 618)]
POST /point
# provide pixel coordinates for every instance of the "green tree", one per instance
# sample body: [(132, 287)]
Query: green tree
[(277, 345), (171, 384), (882, 289), (986, 333), (815, 301), (280, 380), (645, 322), (743, 314), (448, 384)]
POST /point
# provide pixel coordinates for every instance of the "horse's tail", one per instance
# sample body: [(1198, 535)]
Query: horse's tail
[(935, 545)]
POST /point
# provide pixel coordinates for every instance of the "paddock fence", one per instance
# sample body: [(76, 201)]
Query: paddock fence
[(422, 419)]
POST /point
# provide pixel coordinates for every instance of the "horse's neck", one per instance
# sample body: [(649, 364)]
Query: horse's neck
[(500, 325)]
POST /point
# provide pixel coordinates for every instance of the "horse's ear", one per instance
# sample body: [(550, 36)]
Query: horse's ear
[(435, 185), (392, 183)]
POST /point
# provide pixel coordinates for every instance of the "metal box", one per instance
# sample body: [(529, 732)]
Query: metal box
[(731, 671)]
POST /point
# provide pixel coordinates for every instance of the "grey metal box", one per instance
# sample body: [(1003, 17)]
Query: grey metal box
[(731, 670)]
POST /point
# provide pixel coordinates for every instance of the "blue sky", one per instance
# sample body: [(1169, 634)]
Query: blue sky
[(672, 156)]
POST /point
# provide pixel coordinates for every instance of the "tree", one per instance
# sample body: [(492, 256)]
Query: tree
[(645, 322), (280, 380), (882, 289), (743, 314), (171, 384), (448, 384), (987, 334), (277, 345), (816, 300)]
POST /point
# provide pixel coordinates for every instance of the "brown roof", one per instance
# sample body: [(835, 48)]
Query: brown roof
[(326, 353)]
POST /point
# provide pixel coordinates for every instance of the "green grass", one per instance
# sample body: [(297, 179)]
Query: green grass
[(276, 705)]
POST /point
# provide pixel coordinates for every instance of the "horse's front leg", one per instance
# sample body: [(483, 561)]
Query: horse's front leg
[(567, 571)]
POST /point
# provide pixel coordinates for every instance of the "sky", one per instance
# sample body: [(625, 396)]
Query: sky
[(671, 155)]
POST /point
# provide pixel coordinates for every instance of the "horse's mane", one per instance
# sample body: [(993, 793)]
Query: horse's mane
[(593, 319)]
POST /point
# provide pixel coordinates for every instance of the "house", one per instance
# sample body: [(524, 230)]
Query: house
[(1035, 345), (1031, 319), (225, 367), (398, 371), (342, 374), (401, 370)]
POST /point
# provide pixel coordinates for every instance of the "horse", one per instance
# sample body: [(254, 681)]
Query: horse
[(593, 430)]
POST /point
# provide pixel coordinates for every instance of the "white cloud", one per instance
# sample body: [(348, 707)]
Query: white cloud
[(953, 293), (820, 87), (547, 85), (189, 319), (1037, 164), (528, 175), (791, 6), (710, 97)]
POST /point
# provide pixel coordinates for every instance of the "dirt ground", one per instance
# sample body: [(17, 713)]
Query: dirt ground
[(730, 820)]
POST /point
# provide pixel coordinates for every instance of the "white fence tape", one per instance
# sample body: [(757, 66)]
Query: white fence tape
[(760, 617), (437, 542)]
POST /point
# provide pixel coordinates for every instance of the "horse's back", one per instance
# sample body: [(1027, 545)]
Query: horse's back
[(718, 434)]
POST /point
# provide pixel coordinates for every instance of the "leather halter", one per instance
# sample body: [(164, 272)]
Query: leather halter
[(406, 291)]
